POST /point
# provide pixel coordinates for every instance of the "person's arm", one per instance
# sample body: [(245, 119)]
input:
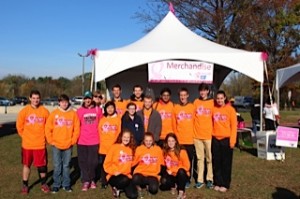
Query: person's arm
[(49, 129), (20, 123), (185, 160), (109, 165), (76, 131), (158, 126)]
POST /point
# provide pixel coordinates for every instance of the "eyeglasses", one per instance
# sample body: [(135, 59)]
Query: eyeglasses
[(98, 96)]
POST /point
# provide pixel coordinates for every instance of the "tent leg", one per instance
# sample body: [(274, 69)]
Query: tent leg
[(261, 105)]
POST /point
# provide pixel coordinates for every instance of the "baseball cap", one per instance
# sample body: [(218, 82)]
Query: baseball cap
[(88, 94)]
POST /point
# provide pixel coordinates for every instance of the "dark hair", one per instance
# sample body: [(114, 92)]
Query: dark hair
[(116, 86), (137, 86), (165, 90), (63, 97), (97, 92), (203, 86), (268, 101), (131, 143), (224, 94), (35, 92), (149, 134), (109, 103), (166, 147), (183, 89), (131, 104)]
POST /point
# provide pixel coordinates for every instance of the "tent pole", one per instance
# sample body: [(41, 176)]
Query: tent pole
[(261, 105)]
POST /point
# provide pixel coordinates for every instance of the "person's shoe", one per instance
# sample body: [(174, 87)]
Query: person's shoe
[(24, 190), (181, 195), (209, 184), (103, 186), (198, 185), (85, 186), (173, 190), (67, 189), (54, 190), (140, 194), (217, 188), (116, 192), (187, 185), (45, 188), (93, 185), (223, 189)]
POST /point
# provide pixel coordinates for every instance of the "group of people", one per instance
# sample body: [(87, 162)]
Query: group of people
[(136, 145)]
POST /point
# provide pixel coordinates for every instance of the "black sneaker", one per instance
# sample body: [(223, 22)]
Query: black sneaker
[(68, 189), (54, 190)]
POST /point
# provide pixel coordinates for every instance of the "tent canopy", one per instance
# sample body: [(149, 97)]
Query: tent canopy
[(287, 75), (170, 39)]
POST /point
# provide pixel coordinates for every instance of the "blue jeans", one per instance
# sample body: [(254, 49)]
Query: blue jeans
[(61, 164), (254, 126)]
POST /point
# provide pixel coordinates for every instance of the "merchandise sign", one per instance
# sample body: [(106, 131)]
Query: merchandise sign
[(286, 136)]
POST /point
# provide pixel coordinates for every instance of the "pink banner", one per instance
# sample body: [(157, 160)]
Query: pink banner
[(287, 136)]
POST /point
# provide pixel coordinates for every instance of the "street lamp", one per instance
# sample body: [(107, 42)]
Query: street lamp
[(83, 62)]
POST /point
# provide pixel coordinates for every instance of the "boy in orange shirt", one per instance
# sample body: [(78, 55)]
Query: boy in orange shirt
[(223, 141), (62, 131), (183, 125), (137, 97), (30, 125), (117, 99)]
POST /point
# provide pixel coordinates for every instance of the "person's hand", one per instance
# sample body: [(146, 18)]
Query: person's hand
[(169, 172), (117, 173)]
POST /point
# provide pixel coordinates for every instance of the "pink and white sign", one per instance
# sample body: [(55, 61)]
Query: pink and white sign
[(180, 72), (287, 137)]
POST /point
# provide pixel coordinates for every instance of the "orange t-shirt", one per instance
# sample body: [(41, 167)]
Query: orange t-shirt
[(203, 124), (121, 106), (62, 128), (147, 114), (139, 104), (173, 163), (225, 123), (166, 114), (31, 126), (183, 123), (109, 129), (148, 160), (118, 160)]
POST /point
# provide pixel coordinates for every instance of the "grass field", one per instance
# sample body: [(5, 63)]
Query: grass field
[(251, 178)]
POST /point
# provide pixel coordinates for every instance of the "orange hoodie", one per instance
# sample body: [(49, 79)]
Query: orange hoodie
[(118, 160), (31, 126), (183, 123), (148, 160), (166, 114), (225, 123), (62, 128), (109, 129), (203, 119), (121, 106), (139, 104), (173, 164)]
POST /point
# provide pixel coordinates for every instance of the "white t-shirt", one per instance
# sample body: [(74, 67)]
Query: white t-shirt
[(270, 111)]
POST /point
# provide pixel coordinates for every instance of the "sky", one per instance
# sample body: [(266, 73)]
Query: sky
[(41, 38)]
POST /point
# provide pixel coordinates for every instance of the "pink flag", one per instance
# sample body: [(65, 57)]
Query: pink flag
[(92, 52), (264, 56), (171, 8)]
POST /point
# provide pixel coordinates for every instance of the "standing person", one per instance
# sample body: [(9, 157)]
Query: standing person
[(151, 118), (133, 122), (109, 129), (177, 165), (271, 114), (203, 128), (98, 98), (62, 132), (88, 142), (137, 97), (118, 100), (165, 108), (255, 116), (118, 163), (148, 160), (183, 125), (223, 141), (30, 125)]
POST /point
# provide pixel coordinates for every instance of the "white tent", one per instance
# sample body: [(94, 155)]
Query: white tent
[(171, 40), (285, 76)]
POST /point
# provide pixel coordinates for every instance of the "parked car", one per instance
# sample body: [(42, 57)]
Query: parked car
[(243, 101), (4, 101), (52, 101), (20, 100), (77, 100)]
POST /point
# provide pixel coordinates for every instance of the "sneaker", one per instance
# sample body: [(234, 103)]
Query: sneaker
[(85, 186), (24, 190), (187, 185), (116, 192), (198, 185), (209, 184), (93, 185), (45, 188), (222, 189), (181, 195), (104, 186), (140, 194), (217, 188), (54, 190), (173, 190), (68, 189)]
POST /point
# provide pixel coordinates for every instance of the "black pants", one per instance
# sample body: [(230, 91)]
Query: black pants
[(168, 181), (222, 162), (103, 173), (88, 161), (190, 149), (122, 182), (270, 125), (143, 181)]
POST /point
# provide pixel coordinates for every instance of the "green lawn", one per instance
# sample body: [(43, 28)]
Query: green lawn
[(251, 177)]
